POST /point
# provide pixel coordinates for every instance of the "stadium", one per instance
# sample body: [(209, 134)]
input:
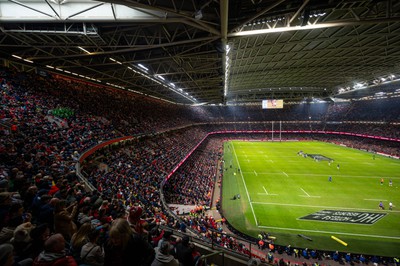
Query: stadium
[(200, 132)]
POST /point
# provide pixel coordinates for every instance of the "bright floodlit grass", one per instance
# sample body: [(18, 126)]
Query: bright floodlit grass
[(277, 187)]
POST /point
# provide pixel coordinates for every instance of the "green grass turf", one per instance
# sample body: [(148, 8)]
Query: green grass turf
[(277, 187)]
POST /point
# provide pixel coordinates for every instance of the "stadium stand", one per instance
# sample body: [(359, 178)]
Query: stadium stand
[(41, 192)]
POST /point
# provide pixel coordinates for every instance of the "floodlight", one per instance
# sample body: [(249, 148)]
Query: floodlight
[(143, 67)]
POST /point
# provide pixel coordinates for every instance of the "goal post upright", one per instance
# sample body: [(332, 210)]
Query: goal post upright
[(272, 131)]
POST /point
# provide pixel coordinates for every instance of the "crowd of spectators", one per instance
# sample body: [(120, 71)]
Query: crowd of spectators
[(45, 209), (193, 183)]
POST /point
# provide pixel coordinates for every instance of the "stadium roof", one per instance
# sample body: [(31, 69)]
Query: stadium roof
[(210, 51)]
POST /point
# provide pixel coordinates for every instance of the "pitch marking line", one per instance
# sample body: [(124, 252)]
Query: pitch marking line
[(305, 192), (255, 172), (327, 232), (285, 174), (308, 195), (266, 193), (376, 199), (317, 175), (266, 156), (321, 207), (245, 187)]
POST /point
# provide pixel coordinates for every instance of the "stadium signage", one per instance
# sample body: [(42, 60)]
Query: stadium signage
[(345, 216)]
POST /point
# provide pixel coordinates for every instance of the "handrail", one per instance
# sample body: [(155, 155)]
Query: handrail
[(204, 257)]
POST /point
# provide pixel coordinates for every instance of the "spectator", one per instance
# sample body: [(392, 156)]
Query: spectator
[(84, 216), (156, 236), (254, 262), (4, 185), (124, 246), (166, 237), (21, 240), (63, 219), (184, 252), (6, 255), (15, 217), (163, 256), (79, 239), (5, 205), (46, 212), (136, 223), (39, 235), (92, 254), (54, 253)]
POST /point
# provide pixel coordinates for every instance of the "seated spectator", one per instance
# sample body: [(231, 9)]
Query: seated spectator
[(4, 185), (363, 259), (335, 256), (15, 217), (124, 246), (163, 256), (253, 262), (54, 253), (6, 255), (184, 252), (79, 239), (83, 215), (46, 211), (196, 255), (7, 232), (313, 254), (21, 240), (288, 250), (156, 236), (166, 237), (39, 235), (305, 253), (348, 257), (91, 253)]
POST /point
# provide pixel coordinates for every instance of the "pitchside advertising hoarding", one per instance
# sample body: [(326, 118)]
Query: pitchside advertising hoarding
[(272, 104), (354, 217)]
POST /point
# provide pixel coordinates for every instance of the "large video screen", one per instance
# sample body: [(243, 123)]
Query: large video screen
[(272, 104)]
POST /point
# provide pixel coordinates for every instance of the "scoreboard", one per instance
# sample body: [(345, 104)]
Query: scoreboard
[(272, 104)]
